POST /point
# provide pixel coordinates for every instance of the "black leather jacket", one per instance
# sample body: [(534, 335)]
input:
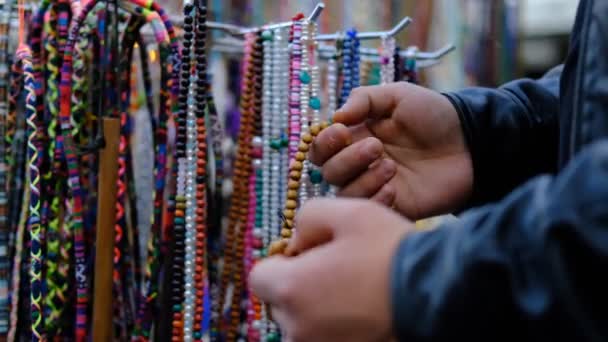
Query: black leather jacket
[(528, 262)]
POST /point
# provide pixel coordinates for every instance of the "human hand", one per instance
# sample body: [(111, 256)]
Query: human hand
[(336, 286), (399, 144)]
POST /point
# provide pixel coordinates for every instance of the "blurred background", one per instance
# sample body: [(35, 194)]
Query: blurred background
[(496, 40)]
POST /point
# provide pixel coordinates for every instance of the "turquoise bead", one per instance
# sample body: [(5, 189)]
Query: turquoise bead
[(267, 35), (284, 142), (410, 64), (272, 337), (275, 144), (315, 103), (197, 335), (305, 77), (264, 252), (177, 308), (316, 177)]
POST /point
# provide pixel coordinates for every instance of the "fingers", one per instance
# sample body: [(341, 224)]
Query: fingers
[(386, 195), (331, 141), (325, 217), (352, 161), (371, 181), (372, 102), (306, 239), (266, 276)]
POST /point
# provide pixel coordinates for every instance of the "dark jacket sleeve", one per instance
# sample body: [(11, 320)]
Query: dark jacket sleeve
[(529, 268), (512, 133)]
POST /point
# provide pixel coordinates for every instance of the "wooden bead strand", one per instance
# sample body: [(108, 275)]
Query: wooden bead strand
[(295, 174)]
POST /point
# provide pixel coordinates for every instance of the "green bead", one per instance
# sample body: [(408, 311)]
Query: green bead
[(264, 252), (284, 142), (410, 64), (177, 308), (272, 337), (275, 144), (267, 35), (316, 177), (315, 103), (305, 77)]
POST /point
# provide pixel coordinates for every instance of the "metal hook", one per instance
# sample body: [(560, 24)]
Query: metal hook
[(405, 22), (438, 54), (316, 12), (239, 30)]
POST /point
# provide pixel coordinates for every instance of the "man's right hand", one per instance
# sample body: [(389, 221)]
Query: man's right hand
[(399, 144)]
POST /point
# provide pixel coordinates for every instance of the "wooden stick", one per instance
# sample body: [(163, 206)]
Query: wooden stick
[(104, 244)]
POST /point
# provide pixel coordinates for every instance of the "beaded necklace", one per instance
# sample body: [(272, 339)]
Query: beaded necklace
[(190, 193), (201, 220), (387, 60), (295, 85), (254, 152), (266, 173), (350, 66), (181, 208), (237, 216)]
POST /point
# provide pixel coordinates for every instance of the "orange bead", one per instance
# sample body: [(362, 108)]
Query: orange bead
[(291, 204), (295, 175), (293, 185), (297, 166), (289, 214), (307, 138)]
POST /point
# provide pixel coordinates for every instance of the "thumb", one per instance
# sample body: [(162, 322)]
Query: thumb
[(321, 220), (371, 102), (266, 278)]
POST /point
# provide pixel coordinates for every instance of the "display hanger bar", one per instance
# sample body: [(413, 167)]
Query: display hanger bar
[(410, 52), (239, 30), (405, 22), (433, 55)]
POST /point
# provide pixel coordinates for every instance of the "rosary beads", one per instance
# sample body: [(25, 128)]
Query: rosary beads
[(295, 176)]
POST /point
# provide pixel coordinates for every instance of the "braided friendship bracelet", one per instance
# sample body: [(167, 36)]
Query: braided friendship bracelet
[(51, 217), (72, 160), (33, 224)]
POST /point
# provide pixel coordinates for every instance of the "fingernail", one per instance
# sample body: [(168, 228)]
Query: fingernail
[(388, 196), (372, 151), (337, 117), (388, 169)]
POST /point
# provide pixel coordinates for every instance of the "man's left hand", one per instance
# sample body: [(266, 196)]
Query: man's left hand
[(337, 286)]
